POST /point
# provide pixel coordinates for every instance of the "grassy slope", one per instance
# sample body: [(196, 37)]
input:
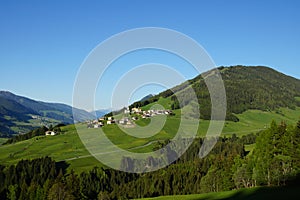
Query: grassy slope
[(59, 147), (165, 102), (2, 140), (254, 120), (250, 121), (69, 147), (253, 193), (24, 127)]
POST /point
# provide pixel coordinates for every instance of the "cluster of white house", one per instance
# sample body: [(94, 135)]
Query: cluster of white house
[(151, 113), (50, 133), (147, 113), (100, 122), (137, 112)]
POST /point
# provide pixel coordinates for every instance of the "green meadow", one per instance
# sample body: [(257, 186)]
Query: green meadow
[(2, 140), (253, 193), (68, 146)]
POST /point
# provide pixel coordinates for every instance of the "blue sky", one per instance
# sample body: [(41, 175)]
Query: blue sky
[(43, 43)]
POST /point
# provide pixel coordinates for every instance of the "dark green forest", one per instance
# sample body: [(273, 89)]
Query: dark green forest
[(275, 161)]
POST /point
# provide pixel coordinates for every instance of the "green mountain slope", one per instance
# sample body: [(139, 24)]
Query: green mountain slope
[(20, 114), (259, 88)]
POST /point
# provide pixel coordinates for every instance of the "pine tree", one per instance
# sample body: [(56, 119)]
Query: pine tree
[(264, 156), (12, 192)]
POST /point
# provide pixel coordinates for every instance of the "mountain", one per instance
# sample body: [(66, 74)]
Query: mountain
[(100, 112), (146, 97), (20, 114), (247, 87)]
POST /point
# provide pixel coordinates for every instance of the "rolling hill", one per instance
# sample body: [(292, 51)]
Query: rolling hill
[(20, 114), (247, 88), (254, 118)]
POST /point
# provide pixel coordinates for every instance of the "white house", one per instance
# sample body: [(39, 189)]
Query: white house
[(97, 126), (110, 122), (126, 111), (50, 133)]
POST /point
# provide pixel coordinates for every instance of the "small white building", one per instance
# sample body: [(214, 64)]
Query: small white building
[(97, 126), (50, 133), (110, 122), (126, 111)]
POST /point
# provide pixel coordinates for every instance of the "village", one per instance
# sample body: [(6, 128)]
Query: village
[(128, 119)]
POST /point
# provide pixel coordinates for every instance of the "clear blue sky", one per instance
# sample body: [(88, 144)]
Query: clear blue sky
[(43, 43)]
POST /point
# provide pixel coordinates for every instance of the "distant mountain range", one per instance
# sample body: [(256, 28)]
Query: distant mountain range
[(20, 114), (100, 112)]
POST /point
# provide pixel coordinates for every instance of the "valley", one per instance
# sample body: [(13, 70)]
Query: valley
[(19, 115)]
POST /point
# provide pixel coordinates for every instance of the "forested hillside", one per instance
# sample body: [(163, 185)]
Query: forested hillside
[(20, 114), (259, 88), (13, 110), (247, 88)]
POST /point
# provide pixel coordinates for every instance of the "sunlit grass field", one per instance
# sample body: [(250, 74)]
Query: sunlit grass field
[(2, 140), (253, 193), (68, 146)]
